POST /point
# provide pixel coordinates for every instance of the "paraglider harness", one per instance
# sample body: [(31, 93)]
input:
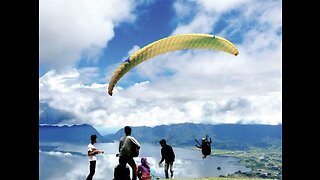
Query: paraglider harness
[(205, 146)]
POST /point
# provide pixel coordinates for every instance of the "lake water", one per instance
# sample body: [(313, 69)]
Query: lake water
[(67, 161)]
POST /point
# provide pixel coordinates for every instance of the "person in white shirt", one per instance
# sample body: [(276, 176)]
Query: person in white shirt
[(92, 151), (126, 151)]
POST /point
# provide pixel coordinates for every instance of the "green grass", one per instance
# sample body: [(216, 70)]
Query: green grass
[(224, 179)]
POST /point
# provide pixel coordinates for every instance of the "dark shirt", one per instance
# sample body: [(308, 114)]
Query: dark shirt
[(121, 173), (167, 154)]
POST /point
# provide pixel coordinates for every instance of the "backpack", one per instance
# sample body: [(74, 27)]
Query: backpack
[(134, 150)]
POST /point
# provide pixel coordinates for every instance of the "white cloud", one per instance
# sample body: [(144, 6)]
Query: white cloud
[(203, 86), (200, 24), (220, 6), (207, 14), (88, 74), (183, 10), (57, 153), (71, 29), (133, 50)]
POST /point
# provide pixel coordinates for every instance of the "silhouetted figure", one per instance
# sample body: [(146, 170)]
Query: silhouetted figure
[(121, 172), (168, 156), (205, 146)]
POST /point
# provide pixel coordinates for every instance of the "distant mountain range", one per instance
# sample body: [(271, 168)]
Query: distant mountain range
[(224, 136), (71, 134)]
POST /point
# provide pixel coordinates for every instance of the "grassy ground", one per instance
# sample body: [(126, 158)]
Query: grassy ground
[(224, 179)]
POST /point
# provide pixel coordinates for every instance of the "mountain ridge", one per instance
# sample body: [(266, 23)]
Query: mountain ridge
[(224, 136)]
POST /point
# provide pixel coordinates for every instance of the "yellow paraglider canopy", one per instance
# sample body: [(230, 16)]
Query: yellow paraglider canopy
[(171, 43)]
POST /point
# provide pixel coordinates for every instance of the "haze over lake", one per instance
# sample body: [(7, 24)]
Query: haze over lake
[(65, 161)]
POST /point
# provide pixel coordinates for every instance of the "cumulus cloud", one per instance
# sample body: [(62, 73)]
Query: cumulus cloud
[(57, 153), (50, 115), (187, 86), (133, 50), (148, 104), (75, 29), (205, 14)]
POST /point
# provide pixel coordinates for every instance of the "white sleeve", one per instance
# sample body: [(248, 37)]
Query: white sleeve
[(89, 148)]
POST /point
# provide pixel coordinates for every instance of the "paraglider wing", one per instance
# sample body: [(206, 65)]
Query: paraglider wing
[(172, 43)]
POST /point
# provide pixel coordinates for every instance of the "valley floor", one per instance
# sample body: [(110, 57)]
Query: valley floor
[(264, 162)]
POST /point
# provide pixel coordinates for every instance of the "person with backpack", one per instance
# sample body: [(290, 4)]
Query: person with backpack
[(128, 148)]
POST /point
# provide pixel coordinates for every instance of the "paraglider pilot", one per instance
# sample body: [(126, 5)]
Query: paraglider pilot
[(205, 146)]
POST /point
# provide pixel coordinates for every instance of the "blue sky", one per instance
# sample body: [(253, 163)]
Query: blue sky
[(82, 42)]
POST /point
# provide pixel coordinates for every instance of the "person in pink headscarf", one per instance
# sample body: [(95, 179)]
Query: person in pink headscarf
[(144, 170)]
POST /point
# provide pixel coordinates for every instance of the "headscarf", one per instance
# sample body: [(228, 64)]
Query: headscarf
[(145, 165)]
